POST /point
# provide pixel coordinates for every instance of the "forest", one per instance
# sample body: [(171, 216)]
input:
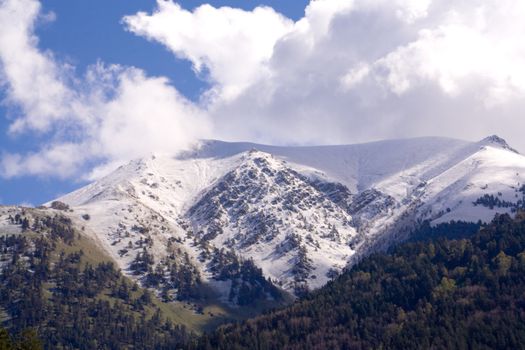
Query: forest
[(455, 285), (444, 293), (56, 298)]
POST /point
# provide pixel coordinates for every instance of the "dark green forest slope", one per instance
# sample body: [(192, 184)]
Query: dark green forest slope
[(56, 284), (440, 294)]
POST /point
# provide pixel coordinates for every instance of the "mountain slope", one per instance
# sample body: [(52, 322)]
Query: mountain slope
[(55, 280), (439, 294), (301, 214)]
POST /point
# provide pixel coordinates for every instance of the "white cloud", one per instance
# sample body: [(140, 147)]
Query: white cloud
[(355, 76), (32, 78), (358, 70), (146, 115), (348, 71), (216, 39), (475, 44), (111, 115), (60, 159)]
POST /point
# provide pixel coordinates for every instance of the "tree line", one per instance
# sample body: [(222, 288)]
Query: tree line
[(443, 293)]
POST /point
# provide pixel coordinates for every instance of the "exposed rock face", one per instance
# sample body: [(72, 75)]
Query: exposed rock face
[(240, 214)]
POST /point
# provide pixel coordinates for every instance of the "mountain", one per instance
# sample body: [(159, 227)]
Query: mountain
[(433, 294), (246, 218), (59, 290)]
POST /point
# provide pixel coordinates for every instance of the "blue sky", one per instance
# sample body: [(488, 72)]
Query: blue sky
[(89, 30), (88, 85), (85, 31)]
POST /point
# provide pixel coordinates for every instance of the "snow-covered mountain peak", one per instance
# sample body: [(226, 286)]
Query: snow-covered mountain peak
[(300, 213), (496, 141)]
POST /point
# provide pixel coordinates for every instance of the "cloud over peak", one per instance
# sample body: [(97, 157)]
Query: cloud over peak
[(352, 71), (348, 71), (107, 116)]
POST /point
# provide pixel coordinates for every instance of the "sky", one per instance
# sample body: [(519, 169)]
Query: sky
[(88, 85)]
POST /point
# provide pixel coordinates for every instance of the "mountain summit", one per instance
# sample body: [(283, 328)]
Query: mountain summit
[(299, 214)]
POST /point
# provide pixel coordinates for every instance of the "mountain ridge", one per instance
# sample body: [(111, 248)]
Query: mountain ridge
[(301, 214)]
